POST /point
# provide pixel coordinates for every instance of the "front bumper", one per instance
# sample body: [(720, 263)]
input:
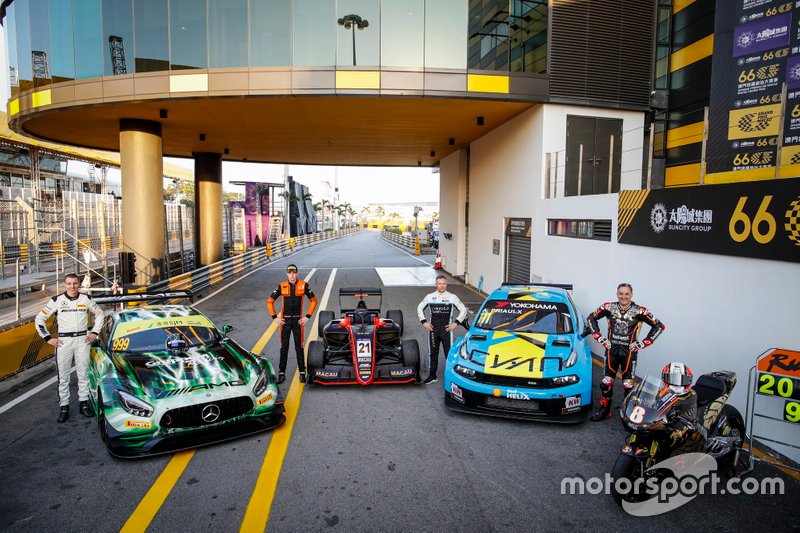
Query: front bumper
[(384, 374), (123, 446)]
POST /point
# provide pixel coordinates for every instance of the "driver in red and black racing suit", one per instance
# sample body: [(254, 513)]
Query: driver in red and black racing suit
[(624, 318)]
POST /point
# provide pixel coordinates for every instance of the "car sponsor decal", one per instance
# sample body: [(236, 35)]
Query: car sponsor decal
[(138, 424), (187, 362), (456, 393), (265, 399), (126, 328), (572, 401), (402, 372), (514, 394), (327, 373), (515, 357)]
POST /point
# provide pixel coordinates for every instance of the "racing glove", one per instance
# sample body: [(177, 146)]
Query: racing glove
[(604, 342), (638, 345)]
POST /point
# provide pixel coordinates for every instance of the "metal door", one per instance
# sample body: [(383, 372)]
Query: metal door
[(594, 147), (518, 259)]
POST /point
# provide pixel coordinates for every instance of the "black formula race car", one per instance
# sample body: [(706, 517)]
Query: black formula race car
[(361, 347)]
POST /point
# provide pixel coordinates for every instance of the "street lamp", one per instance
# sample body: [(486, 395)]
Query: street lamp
[(353, 22)]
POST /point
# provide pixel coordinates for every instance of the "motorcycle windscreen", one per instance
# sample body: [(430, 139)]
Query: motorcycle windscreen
[(649, 401)]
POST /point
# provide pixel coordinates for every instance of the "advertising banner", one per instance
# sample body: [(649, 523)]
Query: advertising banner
[(755, 51), (728, 219)]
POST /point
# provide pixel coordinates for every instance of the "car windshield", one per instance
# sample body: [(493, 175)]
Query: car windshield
[(151, 335), (525, 315)]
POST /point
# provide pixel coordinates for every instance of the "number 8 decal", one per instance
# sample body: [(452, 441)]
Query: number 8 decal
[(637, 415)]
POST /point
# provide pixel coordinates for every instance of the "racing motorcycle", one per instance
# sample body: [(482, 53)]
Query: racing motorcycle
[(663, 424)]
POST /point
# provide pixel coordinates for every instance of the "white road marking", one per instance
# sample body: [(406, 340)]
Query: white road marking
[(30, 393)]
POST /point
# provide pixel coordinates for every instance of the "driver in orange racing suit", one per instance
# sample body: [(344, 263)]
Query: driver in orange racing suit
[(624, 318)]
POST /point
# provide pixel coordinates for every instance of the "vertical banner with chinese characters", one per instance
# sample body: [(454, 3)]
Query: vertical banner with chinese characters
[(752, 41)]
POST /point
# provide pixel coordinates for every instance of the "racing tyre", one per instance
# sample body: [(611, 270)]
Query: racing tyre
[(626, 467), (324, 318), (316, 360), (396, 316), (411, 355), (734, 427), (102, 425)]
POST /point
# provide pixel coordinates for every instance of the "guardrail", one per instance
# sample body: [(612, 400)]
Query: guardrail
[(404, 241), (205, 277)]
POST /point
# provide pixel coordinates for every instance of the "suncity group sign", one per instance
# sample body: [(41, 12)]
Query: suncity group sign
[(746, 220)]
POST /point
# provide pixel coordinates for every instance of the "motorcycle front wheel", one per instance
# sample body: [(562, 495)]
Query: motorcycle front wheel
[(626, 467)]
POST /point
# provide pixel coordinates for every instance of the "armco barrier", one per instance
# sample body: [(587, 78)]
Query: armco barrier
[(21, 347)]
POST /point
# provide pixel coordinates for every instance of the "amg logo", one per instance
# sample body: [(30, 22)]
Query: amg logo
[(534, 305), (511, 364)]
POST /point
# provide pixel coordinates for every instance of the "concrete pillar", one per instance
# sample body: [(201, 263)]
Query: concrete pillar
[(141, 166), (207, 208)]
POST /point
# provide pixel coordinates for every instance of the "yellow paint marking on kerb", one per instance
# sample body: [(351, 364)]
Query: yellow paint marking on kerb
[(258, 508)]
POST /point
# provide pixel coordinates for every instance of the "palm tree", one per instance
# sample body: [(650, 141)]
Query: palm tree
[(365, 212), (380, 211), (346, 208), (325, 206), (351, 212), (317, 207)]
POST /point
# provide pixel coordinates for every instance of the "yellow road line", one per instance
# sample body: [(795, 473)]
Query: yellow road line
[(146, 510), (256, 515), (151, 503)]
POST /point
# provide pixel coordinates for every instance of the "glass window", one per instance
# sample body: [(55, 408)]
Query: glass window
[(88, 39), (25, 72), (358, 33), (528, 33), (62, 58), (270, 33), (40, 43), (227, 33), (11, 46), (188, 34), (446, 34), (314, 33), (117, 36), (152, 35), (402, 33)]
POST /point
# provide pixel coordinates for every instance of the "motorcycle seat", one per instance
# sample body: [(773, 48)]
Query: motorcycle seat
[(708, 389)]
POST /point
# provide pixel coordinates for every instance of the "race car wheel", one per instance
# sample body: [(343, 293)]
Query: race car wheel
[(411, 355), (316, 360), (396, 316), (324, 318)]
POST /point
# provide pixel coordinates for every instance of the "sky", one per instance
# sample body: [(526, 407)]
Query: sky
[(358, 186)]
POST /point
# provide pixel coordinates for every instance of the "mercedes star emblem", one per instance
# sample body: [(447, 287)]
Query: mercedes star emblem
[(210, 413)]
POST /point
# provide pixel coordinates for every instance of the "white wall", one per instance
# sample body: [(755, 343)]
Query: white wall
[(452, 196), (720, 311)]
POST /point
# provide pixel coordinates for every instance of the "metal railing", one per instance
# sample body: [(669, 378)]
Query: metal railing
[(404, 241)]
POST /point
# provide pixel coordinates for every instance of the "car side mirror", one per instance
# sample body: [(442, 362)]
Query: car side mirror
[(586, 331), (227, 328)]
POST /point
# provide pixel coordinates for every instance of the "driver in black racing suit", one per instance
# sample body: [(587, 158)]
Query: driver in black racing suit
[(441, 304), (624, 318)]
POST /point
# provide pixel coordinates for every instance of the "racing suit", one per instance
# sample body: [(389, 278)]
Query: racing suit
[(291, 312), (441, 305), (622, 345), (72, 317)]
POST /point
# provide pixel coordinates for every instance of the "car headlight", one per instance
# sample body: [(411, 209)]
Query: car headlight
[(572, 359), (464, 371), (566, 380), (463, 353), (134, 405), (261, 382)]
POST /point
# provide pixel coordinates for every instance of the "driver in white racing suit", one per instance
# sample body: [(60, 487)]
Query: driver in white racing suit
[(441, 304), (72, 340)]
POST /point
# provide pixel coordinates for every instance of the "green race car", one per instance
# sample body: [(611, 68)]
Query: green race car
[(162, 378)]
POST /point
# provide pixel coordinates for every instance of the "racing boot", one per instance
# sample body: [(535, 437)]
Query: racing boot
[(63, 414), (86, 409), (604, 412), (281, 377), (302, 377), (430, 379)]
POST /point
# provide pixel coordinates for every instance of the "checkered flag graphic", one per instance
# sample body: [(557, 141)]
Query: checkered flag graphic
[(792, 225), (754, 121)]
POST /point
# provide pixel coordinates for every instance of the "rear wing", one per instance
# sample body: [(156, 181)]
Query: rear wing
[(142, 297), (565, 286), (351, 297)]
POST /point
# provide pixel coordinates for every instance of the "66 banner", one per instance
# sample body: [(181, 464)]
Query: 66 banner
[(734, 219)]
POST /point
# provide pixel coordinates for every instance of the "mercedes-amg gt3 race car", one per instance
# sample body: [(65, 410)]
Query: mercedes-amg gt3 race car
[(525, 356), (361, 347), (163, 378)]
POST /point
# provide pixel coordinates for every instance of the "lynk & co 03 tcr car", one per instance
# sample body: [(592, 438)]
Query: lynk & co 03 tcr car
[(163, 378), (361, 347), (524, 357)]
